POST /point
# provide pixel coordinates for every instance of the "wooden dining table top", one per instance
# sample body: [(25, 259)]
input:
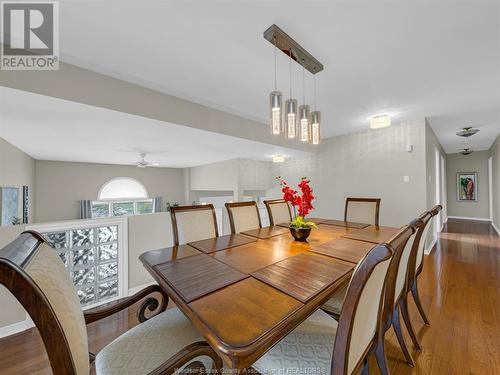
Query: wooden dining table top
[(246, 298)]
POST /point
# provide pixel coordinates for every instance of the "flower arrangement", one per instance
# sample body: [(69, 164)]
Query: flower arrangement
[(302, 204)]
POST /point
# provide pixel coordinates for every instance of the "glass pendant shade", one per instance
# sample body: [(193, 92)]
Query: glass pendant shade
[(291, 118), (276, 101), (315, 127), (304, 123)]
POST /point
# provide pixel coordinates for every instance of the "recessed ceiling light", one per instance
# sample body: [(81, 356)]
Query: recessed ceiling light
[(380, 121), (278, 159)]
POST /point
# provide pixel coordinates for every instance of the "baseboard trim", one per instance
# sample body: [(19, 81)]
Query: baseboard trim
[(431, 246), (12, 329), (496, 228), (469, 218), (138, 288)]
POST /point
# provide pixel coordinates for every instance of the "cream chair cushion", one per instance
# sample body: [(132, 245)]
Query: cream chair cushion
[(148, 345), (280, 213), (48, 272), (403, 267), (361, 212), (195, 225), (245, 218), (334, 304), (308, 347), (421, 244)]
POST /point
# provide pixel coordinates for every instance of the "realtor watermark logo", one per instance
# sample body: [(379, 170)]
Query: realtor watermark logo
[(30, 35)]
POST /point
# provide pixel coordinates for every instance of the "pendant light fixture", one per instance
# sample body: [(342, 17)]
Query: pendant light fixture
[(307, 127), (315, 120), (304, 112), (275, 102), (291, 107)]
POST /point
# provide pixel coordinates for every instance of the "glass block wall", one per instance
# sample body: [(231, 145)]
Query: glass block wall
[(91, 258)]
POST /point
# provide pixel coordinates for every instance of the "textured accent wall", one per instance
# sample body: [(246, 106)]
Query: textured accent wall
[(372, 163)]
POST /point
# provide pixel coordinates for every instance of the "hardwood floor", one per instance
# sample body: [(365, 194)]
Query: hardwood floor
[(460, 290)]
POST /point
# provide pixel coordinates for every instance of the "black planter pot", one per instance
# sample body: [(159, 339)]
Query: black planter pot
[(300, 234)]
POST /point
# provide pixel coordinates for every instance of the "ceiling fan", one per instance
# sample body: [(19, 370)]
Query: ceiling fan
[(143, 163)]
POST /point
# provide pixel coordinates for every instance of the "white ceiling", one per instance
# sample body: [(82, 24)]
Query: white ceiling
[(439, 59), (446, 127), (68, 131)]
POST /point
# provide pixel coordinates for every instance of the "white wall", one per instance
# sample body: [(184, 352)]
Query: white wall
[(61, 185), (16, 169), (495, 154), (475, 162), (431, 145), (372, 163), (145, 233)]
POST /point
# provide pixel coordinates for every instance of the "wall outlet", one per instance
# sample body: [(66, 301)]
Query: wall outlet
[(409, 148), (406, 178)]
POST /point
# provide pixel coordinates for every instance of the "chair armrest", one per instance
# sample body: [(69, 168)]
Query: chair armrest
[(185, 355), (111, 308)]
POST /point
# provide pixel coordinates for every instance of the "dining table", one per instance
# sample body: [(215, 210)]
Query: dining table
[(245, 292)]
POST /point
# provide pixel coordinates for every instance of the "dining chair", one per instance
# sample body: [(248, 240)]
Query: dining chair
[(362, 210), (417, 261), (163, 342), (400, 292), (342, 347), (279, 211), (397, 283), (243, 216), (193, 223)]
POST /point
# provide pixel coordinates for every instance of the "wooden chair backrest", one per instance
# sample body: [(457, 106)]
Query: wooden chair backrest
[(362, 210), (35, 275), (363, 309), (279, 211), (193, 223), (243, 216)]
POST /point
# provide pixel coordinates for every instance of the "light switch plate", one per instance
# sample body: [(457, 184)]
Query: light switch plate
[(406, 179)]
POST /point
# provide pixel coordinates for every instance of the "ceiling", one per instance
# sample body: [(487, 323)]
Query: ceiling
[(104, 136), (445, 127), (435, 59)]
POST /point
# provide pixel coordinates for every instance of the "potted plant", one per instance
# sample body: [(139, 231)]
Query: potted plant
[(300, 228)]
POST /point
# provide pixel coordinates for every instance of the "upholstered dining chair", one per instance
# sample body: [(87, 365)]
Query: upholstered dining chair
[(279, 211), (397, 284), (362, 210), (417, 261), (35, 274), (340, 348), (243, 216), (193, 223)]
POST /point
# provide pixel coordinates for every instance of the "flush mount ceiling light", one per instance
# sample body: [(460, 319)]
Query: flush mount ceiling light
[(309, 123), (467, 132), (466, 151), (278, 159), (380, 121)]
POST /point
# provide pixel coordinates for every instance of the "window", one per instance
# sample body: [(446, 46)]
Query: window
[(122, 196), (122, 188)]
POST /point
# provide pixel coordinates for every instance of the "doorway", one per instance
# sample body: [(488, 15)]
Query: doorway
[(490, 186)]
